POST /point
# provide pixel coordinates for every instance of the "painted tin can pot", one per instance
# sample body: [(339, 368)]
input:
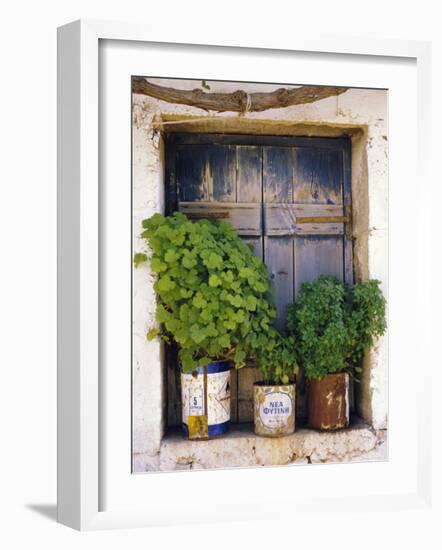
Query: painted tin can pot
[(329, 402), (274, 408), (205, 395)]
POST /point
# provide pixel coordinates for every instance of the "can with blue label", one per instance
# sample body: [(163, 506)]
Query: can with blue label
[(274, 408), (205, 394)]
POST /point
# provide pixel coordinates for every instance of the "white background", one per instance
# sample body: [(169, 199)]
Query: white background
[(28, 277)]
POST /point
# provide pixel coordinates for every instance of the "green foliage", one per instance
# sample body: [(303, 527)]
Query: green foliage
[(335, 323), (317, 321), (139, 258), (365, 313), (214, 295), (277, 359)]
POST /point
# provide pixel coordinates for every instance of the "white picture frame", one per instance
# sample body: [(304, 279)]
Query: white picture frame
[(80, 394)]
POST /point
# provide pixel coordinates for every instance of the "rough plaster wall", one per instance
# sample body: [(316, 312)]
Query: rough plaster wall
[(148, 380), (370, 223), (359, 113), (372, 244)]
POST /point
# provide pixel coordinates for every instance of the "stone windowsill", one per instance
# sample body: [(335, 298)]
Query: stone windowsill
[(242, 448)]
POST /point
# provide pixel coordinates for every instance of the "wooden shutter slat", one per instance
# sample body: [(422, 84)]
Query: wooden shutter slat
[(319, 229), (249, 189), (244, 217), (285, 219), (317, 176), (279, 259), (279, 219), (249, 174), (318, 210)]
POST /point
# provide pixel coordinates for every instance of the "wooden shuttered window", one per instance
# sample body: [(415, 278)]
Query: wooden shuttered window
[(288, 197)]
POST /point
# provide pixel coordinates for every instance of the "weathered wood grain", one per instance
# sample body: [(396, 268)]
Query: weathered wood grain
[(318, 255), (174, 412), (289, 219), (322, 219), (246, 378), (279, 219), (319, 229), (348, 242), (244, 217), (278, 174), (336, 144), (314, 256), (278, 252), (222, 168), (171, 188), (303, 211), (206, 173), (249, 174), (318, 176), (192, 173), (238, 101)]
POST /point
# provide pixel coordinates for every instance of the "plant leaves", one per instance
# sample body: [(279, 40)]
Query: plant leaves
[(139, 258), (214, 281), (153, 333), (213, 294)]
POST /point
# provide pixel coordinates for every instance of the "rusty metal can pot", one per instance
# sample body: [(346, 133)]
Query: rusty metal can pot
[(274, 409), (205, 395), (329, 402)]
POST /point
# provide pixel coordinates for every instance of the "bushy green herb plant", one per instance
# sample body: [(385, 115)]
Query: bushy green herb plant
[(214, 296), (317, 321), (277, 359), (334, 324), (365, 318)]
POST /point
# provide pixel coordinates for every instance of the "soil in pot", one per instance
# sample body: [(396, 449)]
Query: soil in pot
[(274, 409), (329, 402)]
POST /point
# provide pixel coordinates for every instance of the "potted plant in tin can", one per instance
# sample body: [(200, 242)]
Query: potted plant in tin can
[(274, 396), (334, 324), (213, 302)]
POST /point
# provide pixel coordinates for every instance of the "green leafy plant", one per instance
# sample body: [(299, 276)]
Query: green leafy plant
[(276, 360), (365, 318), (214, 296), (335, 323)]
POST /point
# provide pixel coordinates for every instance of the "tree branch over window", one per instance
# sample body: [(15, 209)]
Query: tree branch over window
[(238, 101)]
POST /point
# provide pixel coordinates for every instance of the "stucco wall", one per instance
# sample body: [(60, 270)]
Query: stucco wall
[(362, 114)]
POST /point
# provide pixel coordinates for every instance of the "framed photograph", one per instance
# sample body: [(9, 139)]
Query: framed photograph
[(238, 302)]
